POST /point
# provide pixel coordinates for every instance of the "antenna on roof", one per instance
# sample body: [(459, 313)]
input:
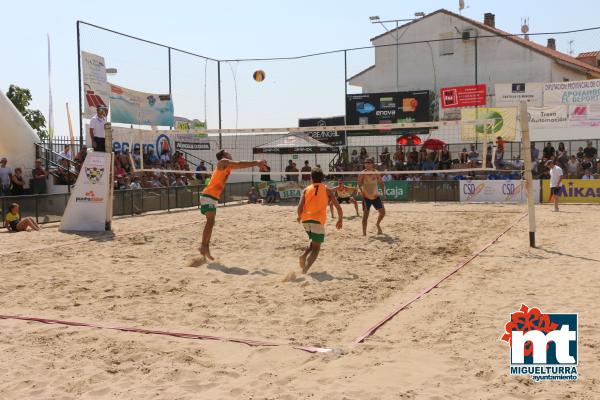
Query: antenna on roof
[(571, 49), (525, 27)]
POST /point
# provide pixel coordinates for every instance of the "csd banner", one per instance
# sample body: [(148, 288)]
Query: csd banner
[(574, 191), (496, 191), (132, 107)]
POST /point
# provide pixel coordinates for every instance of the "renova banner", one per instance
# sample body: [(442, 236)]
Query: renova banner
[(504, 125), (574, 191), (95, 85), (132, 107), (511, 94), (490, 191), (572, 92)]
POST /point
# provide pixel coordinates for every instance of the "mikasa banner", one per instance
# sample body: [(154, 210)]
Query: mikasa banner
[(88, 208), (490, 191)]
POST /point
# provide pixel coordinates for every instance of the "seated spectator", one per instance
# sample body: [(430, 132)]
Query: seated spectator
[(573, 168), (499, 151), (549, 152), (66, 153), (354, 158), (422, 155), (413, 159), (399, 158), (265, 177), (586, 163), (386, 158), (590, 151), (517, 163), (252, 196), (488, 157), (165, 157), (588, 175), (445, 158), (63, 174), (562, 157), (580, 154), (135, 183), (14, 223), (18, 183), (178, 182), (473, 157), (306, 168), (152, 158), (5, 177), (201, 168), (119, 170), (363, 155), (40, 176), (271, 195), (156, 183), (180, 160), (137, 157), (464, 156)]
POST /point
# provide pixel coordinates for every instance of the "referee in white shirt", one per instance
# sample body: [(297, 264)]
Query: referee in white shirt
[(97, 129)]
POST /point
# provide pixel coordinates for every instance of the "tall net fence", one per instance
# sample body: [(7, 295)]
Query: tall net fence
[(404, 73)]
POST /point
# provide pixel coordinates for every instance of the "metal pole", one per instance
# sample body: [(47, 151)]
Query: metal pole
[(526, 153), (477, 107), (345, 94), (397, 55), (219, 98), (169, 51), (80, 88)]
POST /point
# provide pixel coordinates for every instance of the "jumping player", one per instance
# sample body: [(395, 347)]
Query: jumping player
[(212, 192), (312, 213), (368, 183), (344, 194)]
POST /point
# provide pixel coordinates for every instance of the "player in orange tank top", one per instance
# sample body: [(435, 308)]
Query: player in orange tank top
[(312, 213), (212, 193)]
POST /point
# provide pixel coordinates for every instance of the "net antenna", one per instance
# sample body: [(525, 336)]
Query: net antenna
[(478, 132)]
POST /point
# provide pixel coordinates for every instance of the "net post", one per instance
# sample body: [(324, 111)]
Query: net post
[(526, 152)]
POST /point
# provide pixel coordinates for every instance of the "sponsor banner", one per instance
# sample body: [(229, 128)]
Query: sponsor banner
[(128, 139), (490, 191), (333, 138), (95, 85), (132, 107), (584, 115), (572, 92), (574, 191), (504, 125), (88, 206), (191, 146), (386, 108), (511, 94), (184, 124), (555, 116), (463, 96), (394, 190)]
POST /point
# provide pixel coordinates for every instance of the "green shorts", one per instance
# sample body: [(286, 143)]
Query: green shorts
[(315, 231), (208, 204)]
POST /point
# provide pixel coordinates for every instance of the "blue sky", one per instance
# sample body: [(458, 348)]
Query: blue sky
[(234, 29)]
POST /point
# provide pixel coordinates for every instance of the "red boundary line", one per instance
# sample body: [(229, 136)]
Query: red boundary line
[(391, 315), (249, 342)]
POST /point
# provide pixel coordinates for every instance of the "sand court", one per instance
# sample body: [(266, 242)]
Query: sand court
[(139, 277)]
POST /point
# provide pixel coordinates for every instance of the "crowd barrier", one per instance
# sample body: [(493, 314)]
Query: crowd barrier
[(47, 208)]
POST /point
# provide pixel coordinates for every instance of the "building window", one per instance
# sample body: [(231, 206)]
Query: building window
[(446, 45)]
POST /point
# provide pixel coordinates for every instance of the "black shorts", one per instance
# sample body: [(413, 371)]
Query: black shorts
[(343, 199), (13, 225), (554, 191), (376, 203), (100, 144)]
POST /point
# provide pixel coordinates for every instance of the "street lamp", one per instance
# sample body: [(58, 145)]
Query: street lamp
[(376, 20)]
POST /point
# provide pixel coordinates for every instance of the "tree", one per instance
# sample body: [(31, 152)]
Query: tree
[(21, 98)]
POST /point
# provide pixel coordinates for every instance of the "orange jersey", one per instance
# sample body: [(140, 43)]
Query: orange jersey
[(316, 200), (217, 183)]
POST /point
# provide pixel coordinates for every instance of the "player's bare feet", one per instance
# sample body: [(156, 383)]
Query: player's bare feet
[(302, 260), (379, 231), (205, 251)]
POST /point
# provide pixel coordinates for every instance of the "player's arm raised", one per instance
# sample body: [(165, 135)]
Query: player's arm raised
[(338, 208), (243, 164)]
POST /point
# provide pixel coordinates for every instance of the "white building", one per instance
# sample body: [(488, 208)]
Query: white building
[(479, 55)]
